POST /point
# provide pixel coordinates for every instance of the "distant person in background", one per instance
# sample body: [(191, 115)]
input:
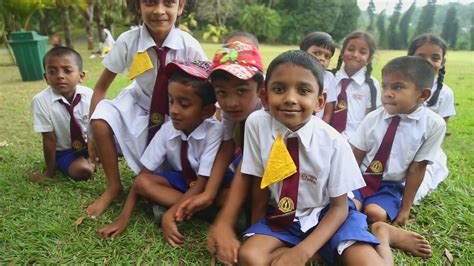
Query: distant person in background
[(108, 42), (55, 40)]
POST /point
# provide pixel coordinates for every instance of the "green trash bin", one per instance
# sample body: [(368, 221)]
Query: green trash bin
[(29, 48)]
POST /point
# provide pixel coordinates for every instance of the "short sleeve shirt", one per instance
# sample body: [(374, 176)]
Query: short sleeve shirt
[(445, 104), (330, 90), (358, 98), (182, 46), (327, 165), (50, 115), (165, 148), (229, 125), (418, 137)]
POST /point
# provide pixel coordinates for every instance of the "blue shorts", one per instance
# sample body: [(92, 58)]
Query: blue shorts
[(176, 179), (65, 158), (354, 228), (389, 197)]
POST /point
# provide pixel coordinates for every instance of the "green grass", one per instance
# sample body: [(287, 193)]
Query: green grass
[(38, 217)]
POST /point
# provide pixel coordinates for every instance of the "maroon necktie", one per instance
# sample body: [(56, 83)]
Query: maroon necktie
[(159, 99), (188, 172), (339, 119), (284, 214), (77, 140), (373, 174)]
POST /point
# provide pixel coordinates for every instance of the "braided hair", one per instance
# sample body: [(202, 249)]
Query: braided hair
[(430, 38), (372, 48)]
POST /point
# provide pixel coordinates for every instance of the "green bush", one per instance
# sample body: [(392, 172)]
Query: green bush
[(262, 21)]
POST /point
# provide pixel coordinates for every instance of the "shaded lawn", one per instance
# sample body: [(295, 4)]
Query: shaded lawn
[(38, 218)]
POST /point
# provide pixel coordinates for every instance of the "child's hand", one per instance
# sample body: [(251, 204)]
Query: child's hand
[(292, 256), (192, 205), (170, 230), (221, 239), (114, 229), (37, 176), (402, 218)]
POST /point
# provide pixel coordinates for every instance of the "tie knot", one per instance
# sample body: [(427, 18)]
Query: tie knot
[(395, 120), (161, 54), (345, 82)]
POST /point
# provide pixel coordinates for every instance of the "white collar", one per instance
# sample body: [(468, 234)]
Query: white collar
[(304, 134), (56, 96), (358, 77), (171, 41), (415, 115), (197, 134)]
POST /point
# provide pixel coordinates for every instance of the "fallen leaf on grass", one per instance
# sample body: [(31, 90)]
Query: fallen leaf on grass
[(4, 143), (448, 255), (79, 221)]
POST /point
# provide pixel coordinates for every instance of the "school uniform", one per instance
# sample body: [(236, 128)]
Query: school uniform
[(358, 98), (327, 168), (438, 171), (50, 115), (329, 87), (417, 138), (163, 154), (128, 113)]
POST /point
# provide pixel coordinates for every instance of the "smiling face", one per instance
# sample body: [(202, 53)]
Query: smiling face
[(356, 55), (293, 95), (159, 16), (322, 54), (433, 54), (186, 107), (63, 74), (400, 95), (236, 97)]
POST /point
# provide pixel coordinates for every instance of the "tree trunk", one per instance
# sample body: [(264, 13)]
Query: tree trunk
[(44, 28), (89, 19), (98, 22), (66, 26)]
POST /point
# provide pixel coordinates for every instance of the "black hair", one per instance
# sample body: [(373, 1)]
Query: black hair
[(224, 75), (319, 39), (202, 87), (372, 48), (134, 8), (430, 38), (298, 58), (417, 69), (63, 51), (243, 34)]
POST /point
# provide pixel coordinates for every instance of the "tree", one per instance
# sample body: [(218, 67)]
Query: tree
[(426, 20), (381, 28), (217, 11), (262, 21), (404, 26), (450, 27), (393, 42), (347, 20), (371, 12)]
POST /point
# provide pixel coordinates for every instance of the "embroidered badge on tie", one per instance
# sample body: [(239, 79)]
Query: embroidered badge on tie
[(279, 166), (140, 64)]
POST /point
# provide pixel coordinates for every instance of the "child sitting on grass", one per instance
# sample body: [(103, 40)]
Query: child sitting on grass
[(187, 145), (60, 114), (394, 144)]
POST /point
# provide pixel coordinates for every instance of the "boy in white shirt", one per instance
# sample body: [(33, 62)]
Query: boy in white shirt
[(60, 114), (180, 157), (394, 144)]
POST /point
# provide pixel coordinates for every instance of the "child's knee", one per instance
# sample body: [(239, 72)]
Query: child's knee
[(249, 255), (81, 173), (100, 128), (141, 183), (375, 213)]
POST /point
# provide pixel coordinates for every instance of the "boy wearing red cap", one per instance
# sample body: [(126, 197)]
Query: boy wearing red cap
[(180, 156)]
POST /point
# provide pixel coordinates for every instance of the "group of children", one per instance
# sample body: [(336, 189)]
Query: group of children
[(306, 153)]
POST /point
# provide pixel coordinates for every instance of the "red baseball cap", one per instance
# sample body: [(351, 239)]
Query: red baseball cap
[(241, 60), (197, 68)]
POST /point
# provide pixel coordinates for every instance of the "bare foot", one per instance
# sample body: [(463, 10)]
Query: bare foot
[(410, 242), (95, 209)]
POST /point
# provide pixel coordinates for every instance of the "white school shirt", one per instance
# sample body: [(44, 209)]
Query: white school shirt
[(50, 115), (229, 125), (329, 87), (445, 104), (182, 46), (326, 163), (418, 137), (165, 146), (358, 98)]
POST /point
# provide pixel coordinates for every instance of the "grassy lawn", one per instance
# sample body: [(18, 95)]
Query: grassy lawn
[(38, 217)]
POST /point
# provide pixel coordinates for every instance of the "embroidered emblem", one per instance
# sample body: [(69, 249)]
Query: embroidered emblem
[(286, 204), (376, 167), (77, 145), (192, 183), (342, 105), (156, 119)]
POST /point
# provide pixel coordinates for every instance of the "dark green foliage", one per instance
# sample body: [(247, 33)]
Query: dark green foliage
[(451, 27), (371, 12), (426, 20), (347, 20), (262, 21), (393, 41), (381, 29), (404, 26)]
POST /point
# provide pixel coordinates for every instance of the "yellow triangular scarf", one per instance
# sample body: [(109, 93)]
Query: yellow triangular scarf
[(140, 64), (279, 166)]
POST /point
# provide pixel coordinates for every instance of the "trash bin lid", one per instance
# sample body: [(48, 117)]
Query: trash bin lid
[(22, 36)]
